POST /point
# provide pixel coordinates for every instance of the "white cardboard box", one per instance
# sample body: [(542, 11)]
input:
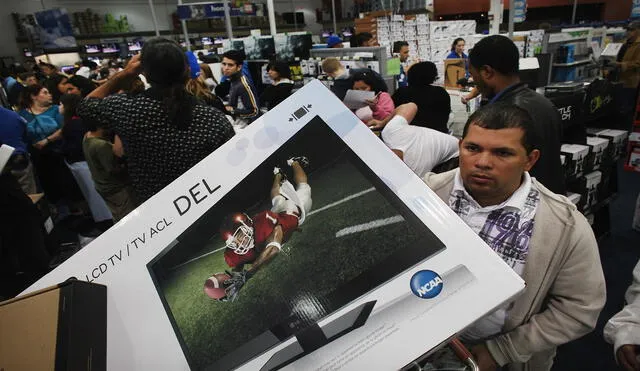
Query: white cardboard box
[(590, 192), (156, 260), (576, 155), (598, 151), (617, 138)]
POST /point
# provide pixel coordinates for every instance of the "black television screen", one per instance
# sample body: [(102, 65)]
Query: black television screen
[(288, 18), (356, 235), (110, 48), (91, 48)]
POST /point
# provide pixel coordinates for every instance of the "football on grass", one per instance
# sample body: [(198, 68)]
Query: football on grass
[(214, 286)]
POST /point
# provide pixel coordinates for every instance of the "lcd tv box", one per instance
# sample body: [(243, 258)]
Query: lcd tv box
[(302, 243)]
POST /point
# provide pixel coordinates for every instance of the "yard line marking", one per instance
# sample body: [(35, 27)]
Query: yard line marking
[(348, 198), (370, 225), (196, 258)]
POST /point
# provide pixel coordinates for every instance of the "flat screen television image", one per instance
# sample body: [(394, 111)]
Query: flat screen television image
[(261, 47), (110, 48), (135, 46), (293, 45), (207, 41), (342, 233), (92, 48)]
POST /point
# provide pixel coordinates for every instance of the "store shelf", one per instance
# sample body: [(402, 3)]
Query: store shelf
[(572, 63), (562, 38)]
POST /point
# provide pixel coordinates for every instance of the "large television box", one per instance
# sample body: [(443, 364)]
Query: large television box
[(367, 267), (63, 327)]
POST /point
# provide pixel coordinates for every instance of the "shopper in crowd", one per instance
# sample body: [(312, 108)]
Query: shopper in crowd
[(77, 84), (13, 130), (623, 329), (207, 77), (422, 149), (401, 51), (12, 86), (56, 85), (334, 42), (343, 78), (281, 86), (434, 103), (379, 107), (44, 134), (628, 64), (494, 65), (362, 39), (457, 52), (88, 69), (108, 172), (28, 79), (48, 69), (73, 132), (199, 89), (243, 101), (539, 234), (165, 130)]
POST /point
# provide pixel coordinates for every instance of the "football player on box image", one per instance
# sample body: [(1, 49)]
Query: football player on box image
[(258, 239)]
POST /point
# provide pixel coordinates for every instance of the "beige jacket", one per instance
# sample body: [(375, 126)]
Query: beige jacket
[(630, 69), (565, 288)]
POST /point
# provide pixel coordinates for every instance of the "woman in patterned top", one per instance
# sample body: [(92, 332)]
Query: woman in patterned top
[(165, 130)]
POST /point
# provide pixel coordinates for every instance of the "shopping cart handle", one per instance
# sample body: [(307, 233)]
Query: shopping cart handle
[(463, 354)]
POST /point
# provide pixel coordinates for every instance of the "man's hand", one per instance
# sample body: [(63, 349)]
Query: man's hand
[(376, 124), (627, 357), (483, 358), (229, 109)]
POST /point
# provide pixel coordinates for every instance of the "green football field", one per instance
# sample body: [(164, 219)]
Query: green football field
[(351, 227)]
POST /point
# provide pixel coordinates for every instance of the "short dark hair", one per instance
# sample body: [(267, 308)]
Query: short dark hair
[(369, 77), (504, 116), (398, 45), (282, 68), (237, 56), (423, 73), (497, 52), (360, 38), (27, 93), (83, 84), (455, 42)]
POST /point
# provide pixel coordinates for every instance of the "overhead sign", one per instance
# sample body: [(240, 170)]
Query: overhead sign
[(213, 10)]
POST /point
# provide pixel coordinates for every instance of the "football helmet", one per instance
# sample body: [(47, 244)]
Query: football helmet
[(237, 233)]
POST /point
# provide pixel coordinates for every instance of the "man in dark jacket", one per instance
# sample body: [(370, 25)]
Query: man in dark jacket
[(494, 65), (243, 100)]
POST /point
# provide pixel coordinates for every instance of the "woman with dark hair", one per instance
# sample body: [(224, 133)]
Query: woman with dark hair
[(207, 77), (165, 130), (434, 103), (281, 87), (457, 49), (44, 134), (78, 85), (382, 105)]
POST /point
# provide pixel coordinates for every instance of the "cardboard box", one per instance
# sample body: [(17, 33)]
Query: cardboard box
[(617, 138), (367, 282), (598, 154), (589, 190), (63, 327), (576, 156), (574, 198), (633, 152)]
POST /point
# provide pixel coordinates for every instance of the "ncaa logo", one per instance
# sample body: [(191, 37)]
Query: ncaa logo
[(426, 284)]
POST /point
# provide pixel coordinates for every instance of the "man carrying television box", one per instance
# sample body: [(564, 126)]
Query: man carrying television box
[(536, 232)]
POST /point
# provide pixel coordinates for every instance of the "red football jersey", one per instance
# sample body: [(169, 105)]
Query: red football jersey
[(263, 225)]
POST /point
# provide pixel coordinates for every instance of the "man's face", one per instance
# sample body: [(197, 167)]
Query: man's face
[(31, 80), (48, 71), (229, 67), (404, 53), (483, 78), (492, 163)]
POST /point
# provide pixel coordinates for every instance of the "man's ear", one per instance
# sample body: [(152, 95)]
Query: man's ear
[(487, 72), (532, 158)]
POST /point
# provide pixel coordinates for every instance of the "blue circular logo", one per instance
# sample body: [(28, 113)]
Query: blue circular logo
[(426, 284)]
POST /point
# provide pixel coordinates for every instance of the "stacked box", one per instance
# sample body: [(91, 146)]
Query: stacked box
[(565, 169), (589, 190), (576, 156), (617, 138), (574, 198), (633, 159), (598, 153)]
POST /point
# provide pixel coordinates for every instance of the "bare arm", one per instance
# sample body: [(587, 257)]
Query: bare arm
[(118, 148), (407, 110), (113, 85)]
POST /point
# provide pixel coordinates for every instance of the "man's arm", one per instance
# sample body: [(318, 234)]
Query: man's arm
[(623, 329), (407, 110), (249, 100), (574, 302), (273, 247)]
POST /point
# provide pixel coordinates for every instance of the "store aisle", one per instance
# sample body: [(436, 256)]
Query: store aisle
[(619, 253)]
